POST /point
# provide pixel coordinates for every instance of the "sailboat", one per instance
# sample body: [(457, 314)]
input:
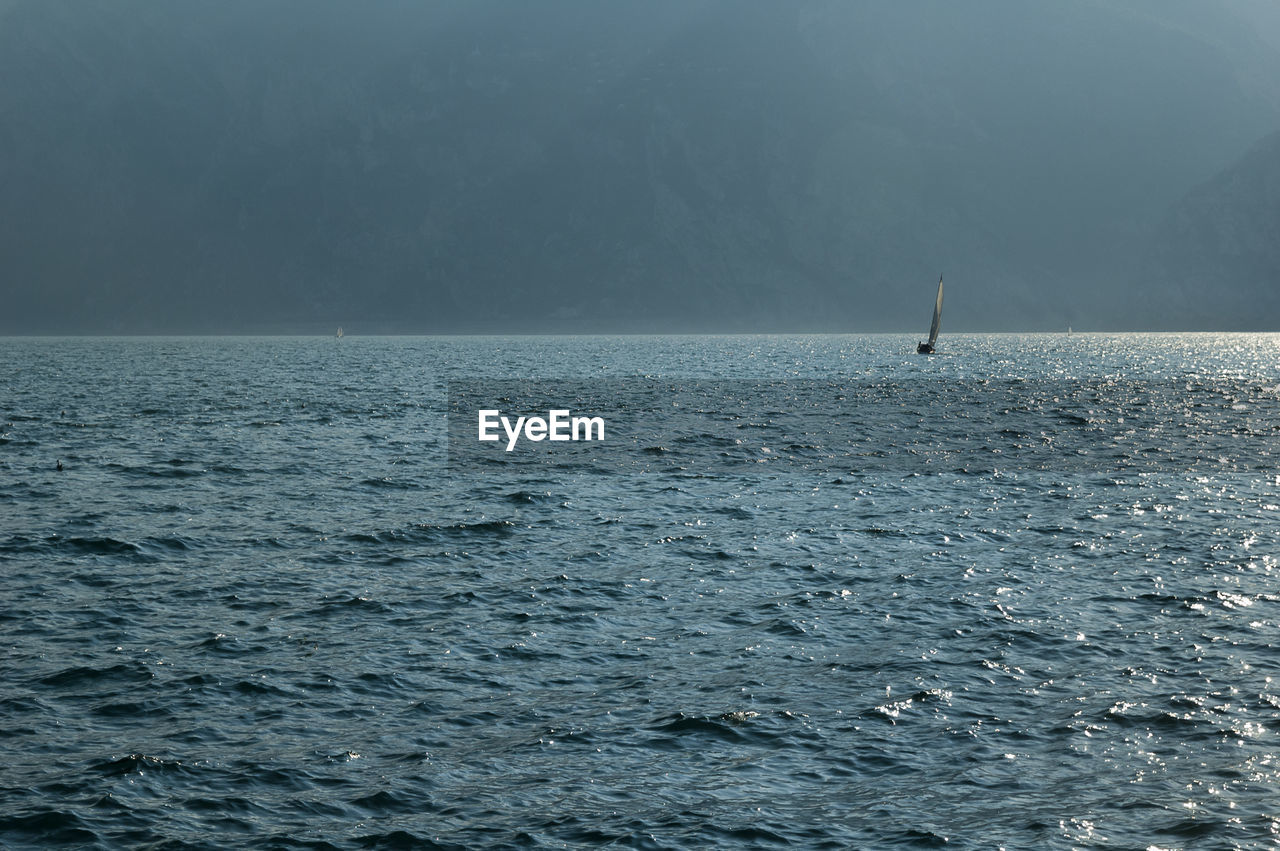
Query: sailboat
[(339, 334), (927, 348)]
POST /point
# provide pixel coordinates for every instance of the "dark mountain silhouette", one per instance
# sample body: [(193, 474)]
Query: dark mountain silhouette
[(572, 165), (1215, 262)]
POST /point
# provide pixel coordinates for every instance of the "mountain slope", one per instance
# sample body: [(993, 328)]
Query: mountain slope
[(1216, 259), (572, 165)]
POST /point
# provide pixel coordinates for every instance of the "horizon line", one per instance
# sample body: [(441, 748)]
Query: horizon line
[(501, 333)]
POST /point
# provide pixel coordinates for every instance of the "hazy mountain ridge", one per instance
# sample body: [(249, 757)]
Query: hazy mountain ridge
[(1217, 252), (571, 166)]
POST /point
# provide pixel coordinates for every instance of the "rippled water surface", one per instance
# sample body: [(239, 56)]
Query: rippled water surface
[(257, 607)]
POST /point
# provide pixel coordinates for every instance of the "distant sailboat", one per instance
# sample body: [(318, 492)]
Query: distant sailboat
[(339, 334), (927, 348)]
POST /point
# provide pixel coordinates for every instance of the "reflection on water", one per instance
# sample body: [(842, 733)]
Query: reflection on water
[(257, 602)]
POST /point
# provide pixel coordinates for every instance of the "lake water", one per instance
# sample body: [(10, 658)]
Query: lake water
[(1021, 593)]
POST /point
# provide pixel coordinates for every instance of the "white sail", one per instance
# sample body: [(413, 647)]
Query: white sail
[(937, 316)]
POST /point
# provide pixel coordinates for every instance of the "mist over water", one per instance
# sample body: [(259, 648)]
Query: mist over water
[(660, 166), (258, 606)]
